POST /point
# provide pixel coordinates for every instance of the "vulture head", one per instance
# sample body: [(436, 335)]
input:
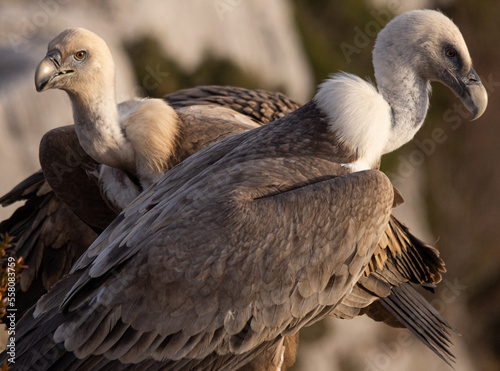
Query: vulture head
[(414, 49), (80, 63), (425, 45), (76, 60)]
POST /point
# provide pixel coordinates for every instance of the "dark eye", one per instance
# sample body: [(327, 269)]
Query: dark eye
[(80, 55), (450, 52)]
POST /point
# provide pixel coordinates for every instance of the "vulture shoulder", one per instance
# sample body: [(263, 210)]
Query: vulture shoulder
[(151, 126)]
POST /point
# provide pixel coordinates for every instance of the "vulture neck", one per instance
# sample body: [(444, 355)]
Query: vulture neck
[(98, 128), (408, 96)]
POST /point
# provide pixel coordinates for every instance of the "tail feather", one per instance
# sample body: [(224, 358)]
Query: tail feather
[(422, 319), (429, 315)]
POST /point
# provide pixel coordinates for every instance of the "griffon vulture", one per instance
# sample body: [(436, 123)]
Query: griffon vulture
[(253, 238), (135, 140)]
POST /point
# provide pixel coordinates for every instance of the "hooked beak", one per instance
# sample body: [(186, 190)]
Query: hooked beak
[(48, 69), (472, 93)]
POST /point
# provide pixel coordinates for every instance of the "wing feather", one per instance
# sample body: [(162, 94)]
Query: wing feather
[(262, 106)]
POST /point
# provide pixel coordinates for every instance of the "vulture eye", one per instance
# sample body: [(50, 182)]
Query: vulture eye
[(80, 55), (450, 52)]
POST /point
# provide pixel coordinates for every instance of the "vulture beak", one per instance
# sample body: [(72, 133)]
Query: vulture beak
[(48, 69), (472, 93)]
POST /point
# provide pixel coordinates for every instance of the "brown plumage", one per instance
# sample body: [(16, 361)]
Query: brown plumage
[(195, 274)]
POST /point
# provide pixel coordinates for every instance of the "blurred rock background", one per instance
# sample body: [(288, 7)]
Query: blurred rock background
[(451, 185)]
